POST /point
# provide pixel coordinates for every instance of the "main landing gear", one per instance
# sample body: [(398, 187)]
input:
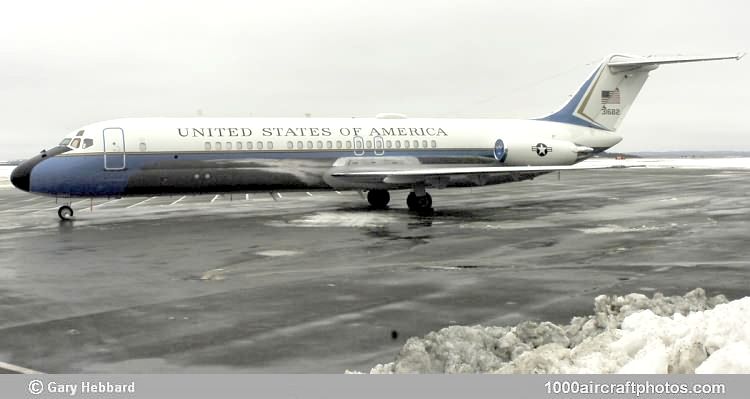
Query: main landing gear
[(417, 201), (65, 212), (378, 199)]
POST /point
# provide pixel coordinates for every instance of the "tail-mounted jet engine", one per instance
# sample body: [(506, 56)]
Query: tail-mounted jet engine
[(538, 151)]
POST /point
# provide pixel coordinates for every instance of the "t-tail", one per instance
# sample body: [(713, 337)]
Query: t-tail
[(606, 96)]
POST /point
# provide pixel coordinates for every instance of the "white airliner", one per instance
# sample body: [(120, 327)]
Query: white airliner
[(154, 156)]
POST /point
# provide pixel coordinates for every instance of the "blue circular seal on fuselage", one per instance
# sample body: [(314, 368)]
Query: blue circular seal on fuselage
[(500, 150)]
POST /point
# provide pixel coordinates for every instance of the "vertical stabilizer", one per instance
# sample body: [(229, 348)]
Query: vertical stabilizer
[(606, 96)]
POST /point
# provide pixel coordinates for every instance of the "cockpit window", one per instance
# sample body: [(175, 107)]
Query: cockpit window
[(79, 134), (87, 143), (75, 143), (65, 142)]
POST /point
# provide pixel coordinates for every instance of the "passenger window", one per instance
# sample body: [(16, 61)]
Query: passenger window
[(88, 143), (249, 145), (348, 145), (208, 146), (319, 144), (339, 144), (75, 143), (416, 143), (300, 145), (217, 145), (269, 145), (290, 145), (239, 145), (406, 143), (309, 145), (260, 145), (141, 146), (397, 143), (229, 145), (433, 143), (369, 144), (388, 144), (329, 144), (424, 143)]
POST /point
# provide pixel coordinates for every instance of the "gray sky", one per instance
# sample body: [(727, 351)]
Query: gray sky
[(67, 63)]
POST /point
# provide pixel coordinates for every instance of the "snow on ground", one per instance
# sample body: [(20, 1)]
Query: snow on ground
[(5, 171), (626, 334), (5, 176), (682, 163)]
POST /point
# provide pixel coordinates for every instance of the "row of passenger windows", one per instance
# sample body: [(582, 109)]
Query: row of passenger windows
[(338, 144)]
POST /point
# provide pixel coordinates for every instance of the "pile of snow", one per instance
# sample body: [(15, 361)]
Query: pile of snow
[(681, 163), (5, 171), (5, 176), (626, 334)]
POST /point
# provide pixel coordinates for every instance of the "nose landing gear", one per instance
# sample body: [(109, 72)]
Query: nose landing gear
[(65, 212)]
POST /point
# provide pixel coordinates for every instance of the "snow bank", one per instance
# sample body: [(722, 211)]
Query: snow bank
[(5, 176), (5, 171), (681, 163), (626, 334)]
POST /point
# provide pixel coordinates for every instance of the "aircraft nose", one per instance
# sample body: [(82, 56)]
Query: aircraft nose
[(21, 176)]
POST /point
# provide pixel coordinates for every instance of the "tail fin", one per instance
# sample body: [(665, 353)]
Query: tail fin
[(605, 97)]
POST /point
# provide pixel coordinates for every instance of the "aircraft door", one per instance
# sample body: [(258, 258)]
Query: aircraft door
[(379, 147), (114, 148), (359, 146)]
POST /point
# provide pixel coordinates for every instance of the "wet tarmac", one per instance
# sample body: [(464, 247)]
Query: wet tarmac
[(317, 282)]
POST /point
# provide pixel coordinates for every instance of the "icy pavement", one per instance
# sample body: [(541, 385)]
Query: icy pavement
[(626, 334), (318, 282)]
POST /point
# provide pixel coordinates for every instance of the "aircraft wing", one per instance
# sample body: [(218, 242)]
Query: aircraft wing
[(416, 174)]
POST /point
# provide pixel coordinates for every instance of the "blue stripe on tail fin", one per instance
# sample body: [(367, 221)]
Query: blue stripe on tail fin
[(566, 114)]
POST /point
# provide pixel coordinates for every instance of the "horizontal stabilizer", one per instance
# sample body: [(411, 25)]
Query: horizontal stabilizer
[(621, 62)]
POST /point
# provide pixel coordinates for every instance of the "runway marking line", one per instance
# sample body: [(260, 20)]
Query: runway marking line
[(139, 203), (308, 193), (108, 202), (215, 198), (180, 199), (31, 199), (98, 205), (17, 369)]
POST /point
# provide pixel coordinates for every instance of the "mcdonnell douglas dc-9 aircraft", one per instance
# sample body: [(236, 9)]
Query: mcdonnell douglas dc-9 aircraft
[(155, 156)]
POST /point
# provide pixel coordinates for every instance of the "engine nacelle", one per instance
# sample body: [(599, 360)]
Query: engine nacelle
[(538, 151)]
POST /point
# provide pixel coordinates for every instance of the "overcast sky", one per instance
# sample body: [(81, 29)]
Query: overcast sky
[(64, 64)]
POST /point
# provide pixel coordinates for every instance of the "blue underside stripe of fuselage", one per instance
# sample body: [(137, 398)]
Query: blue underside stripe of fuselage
[(84, 175)]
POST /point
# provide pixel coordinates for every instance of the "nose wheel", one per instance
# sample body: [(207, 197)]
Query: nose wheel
[(65, 212)]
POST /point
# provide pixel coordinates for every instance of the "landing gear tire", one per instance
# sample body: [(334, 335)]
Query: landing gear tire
[(65, 212), (419, 204), (378, 199)]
